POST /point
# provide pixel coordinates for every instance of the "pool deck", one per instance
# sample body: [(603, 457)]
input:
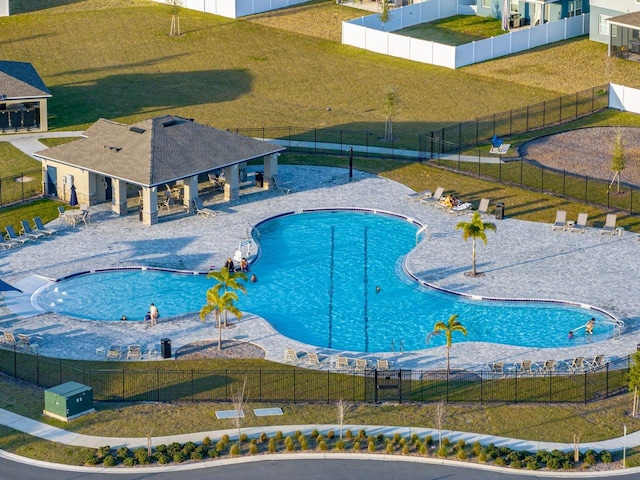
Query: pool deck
[(521, 260)]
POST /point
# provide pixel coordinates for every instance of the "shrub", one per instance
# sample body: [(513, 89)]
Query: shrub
[(477, 448), (288, 440), (213, 453), (235, 449), (415, 438), (462, 454), (362, 434), (402, 442), (122, 453), (446, 442), (348, 434), (371, 447), (103, 451), (531, 463), (129, 462), (319, 438), (589, 459), (389, 447), (567, 465), (304, 445), (297, 433), (461, 444), (244, 438), (264, 437), (323, 446), (423, 449), (141, 455), (356, 446), (605, 456), (380, 437), (272, 445), (109, 461), (279, 436), (179, 457), (516, 464), (206, 441), (553, 463), (339, 445), (163, 459), (225, 438), (396, 438), (188, 448), (428, 440), (406, 450), (196, 455), (482, 458), (203, 450), (220, 446), (161, 448), (174, 448), (371, 439), (91, 460), (253, 449), (331, 434), (291, 446), (253, 441), (314, 433), (442, 451), (501, 462)]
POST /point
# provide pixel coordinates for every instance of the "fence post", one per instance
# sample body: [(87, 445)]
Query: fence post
[(481, 387), (157, 385), (515, 399), (400, 385), (550, 388)]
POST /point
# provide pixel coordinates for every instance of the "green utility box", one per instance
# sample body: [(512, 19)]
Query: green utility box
[(68, 401)]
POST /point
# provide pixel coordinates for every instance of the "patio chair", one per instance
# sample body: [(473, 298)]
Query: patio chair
[(435, 198), (25, 342), (134, 352), (342, 363), (597, 363), (114, 352), (7, 244), (577, 365), (483, 208), (549, 366), (525, 367), (581, 223), (61, 217), (201, 210), (496, 369), (291, 356), (280, 186), (361, 364), (26, 231), (382, 364), (12, 235), (216, 181), (37, 221), (609, 224), (561, 220), (313, 359), (460, 209), (9, 339), (415, 196)]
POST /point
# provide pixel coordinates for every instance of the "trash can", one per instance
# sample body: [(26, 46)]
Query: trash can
[(140, 213), (259, 179), (165, 348), (498, 212)]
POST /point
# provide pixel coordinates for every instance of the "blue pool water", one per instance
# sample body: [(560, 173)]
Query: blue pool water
[(318, 274)]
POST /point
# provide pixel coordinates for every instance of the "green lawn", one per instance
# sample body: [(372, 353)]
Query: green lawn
[(456, 30)]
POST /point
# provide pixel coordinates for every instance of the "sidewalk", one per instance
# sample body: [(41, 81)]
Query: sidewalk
[(54, 434)]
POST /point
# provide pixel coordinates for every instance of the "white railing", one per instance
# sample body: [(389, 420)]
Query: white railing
[(624, 98), (236, 8), (370, 34)]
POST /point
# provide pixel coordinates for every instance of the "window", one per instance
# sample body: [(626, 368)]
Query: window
[(575, 8), (486, 3), (515, 6), (603, 25)]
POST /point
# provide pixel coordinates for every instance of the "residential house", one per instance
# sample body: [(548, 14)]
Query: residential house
[(532, 12), (617, 23)]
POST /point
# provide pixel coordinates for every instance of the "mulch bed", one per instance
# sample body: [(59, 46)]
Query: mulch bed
[(209, 349), (586, 151)]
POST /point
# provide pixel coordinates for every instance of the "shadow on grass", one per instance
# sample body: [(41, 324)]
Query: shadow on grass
[(149, 94), (27, 6)]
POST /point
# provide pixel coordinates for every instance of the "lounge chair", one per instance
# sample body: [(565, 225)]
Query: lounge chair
[(114, 352), (581, 223), (549, 366), (312, 359), (342, 363), (280, 186), (415, 196), (361, 364), (525, 367), (483, 208), (382, 364), (37, 221), (26, 231), (435, 198), (460, 208), (216, 181), (597, 363), (9, 339), (201, 209), (135, 352), (25, 342), (11, 235), (577, 365), (7, 244), (561, 220), (610, 224), (291, 356), (496, 369)]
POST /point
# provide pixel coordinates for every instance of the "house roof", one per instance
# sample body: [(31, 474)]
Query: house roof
[(20, 80), (629, 20), (157, 151)]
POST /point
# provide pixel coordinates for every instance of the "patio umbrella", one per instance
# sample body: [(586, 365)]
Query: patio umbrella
[(73, 201), (505, 15), (5, 287)]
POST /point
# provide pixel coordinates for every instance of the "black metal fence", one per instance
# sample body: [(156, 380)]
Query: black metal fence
[(128, 384), (17, 188)]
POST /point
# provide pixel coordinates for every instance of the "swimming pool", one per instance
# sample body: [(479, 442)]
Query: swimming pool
[(318, 274)]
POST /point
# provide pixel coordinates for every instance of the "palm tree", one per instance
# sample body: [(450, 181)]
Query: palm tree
[(453, 325), (228, 281), (475, 229), (220, 304)]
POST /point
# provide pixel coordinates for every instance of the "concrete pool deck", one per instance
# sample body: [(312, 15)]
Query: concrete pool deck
[(521, 260)]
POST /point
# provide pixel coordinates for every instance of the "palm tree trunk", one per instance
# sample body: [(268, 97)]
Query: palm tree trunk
[(473, 257), (448, 368), (219, 331)]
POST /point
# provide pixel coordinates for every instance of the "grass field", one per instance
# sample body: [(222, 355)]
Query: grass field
[(456, 30)]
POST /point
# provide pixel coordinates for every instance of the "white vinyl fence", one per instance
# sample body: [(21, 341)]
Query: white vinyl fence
[(370, 34), (236, 8), (624, 98)]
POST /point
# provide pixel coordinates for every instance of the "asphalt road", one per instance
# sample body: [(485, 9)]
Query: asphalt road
[(320, 469)]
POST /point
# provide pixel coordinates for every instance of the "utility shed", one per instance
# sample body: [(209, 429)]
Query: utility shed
[(68, 401)]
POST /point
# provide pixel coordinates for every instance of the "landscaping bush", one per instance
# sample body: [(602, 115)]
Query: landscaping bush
[(288, 440), (244, 438), (297, 434), (348, 434), (264, 437), (362, 434), (406, 450), (396, 438), (141, 455), (482, 458), (109, 461), (356, 446), (516, 464), (174, 448), (272, 445), (253, 449), (220, 446), (91, 460), (446, 441), (162, 459), (443, 451), (225, 438), (206, 441), (188, 447), (279, 436), (122, 453), (314, 433), (590, 458), (428, 440), (323, 446), (415, 438), (339, 445), (196, 455), (304, 445), (380, 438), (319, 438), (389, 447), (213, 453), (371, 439), (235, 449), (500, 462), (606, 456), (477, 449), (461, 444), (423, 450), (371, 447), (331, 434), (290, 446), (553, 463), (461, 454), (161, 448), (129, 462), (179, 457), (531, 463), (103, 452)]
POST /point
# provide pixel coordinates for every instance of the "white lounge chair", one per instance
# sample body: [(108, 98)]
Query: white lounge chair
[(201, 209), (37, 221), (28, 232), (382, 364), (597, 363), (11, 235), (610, 224), (114, 352), (25, 342), (342, 363), (561, 220), (525, 367), (361, 364), (581, 223), (291, 356), (313, 359), (280, 186), (577, 365), (435, 198), (415, 196), (9, 338), (460, 209), (135, 352), (483, 208)]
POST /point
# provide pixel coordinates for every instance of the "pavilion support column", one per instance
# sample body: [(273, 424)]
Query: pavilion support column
[(190, 192), (231, 184), (149, 205), (270, 169), (119, 199), (44, 124)]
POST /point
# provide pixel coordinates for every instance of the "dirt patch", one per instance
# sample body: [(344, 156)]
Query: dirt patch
[(209, 349), (586, 151)]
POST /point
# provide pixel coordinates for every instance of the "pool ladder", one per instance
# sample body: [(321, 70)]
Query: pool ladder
[(424, 230), (393, 346)]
